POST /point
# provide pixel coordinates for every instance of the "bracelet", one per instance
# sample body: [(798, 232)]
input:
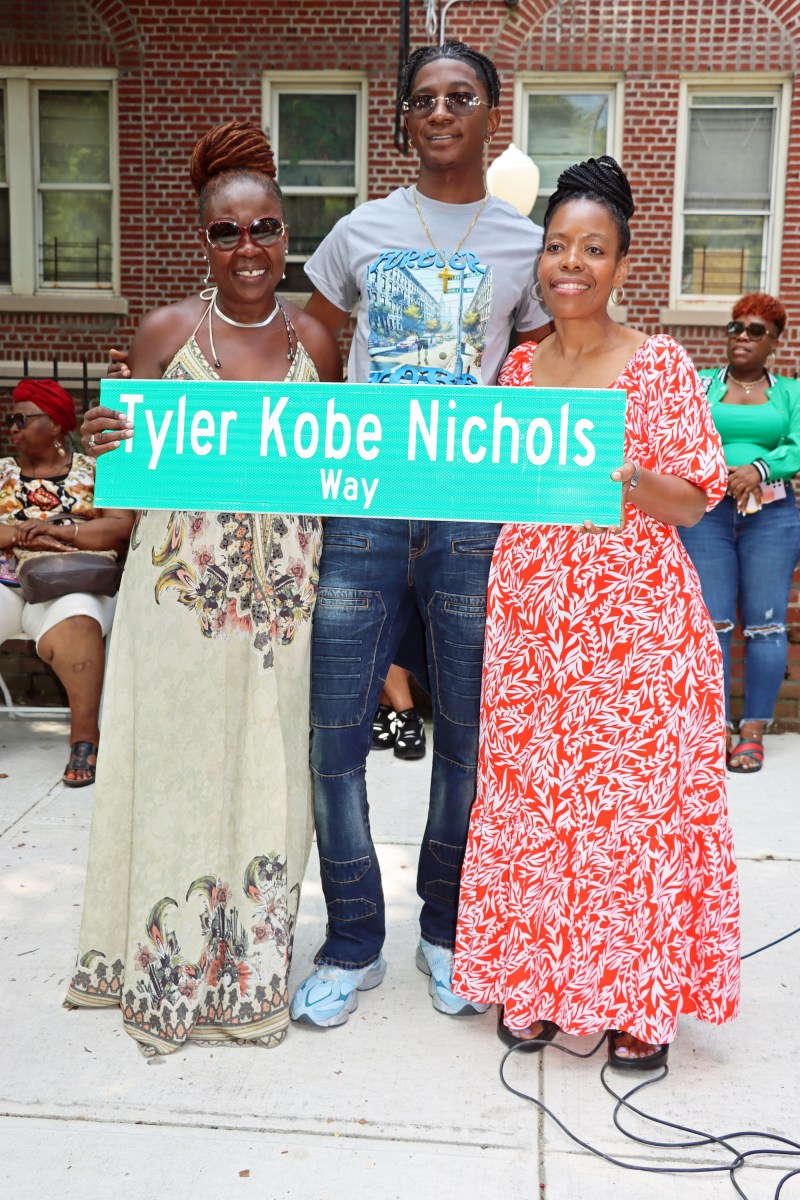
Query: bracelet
[(633, 482), (762, 468)]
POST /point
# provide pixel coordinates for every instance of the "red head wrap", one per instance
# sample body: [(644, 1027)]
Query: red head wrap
[(51, 398)]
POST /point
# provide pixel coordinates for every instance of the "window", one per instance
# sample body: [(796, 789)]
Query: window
[(57, 192), (74, 185), (563, 119), (316, 127), (729, 183)]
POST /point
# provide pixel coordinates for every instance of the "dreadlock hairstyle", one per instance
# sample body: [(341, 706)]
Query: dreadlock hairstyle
[(483, 67), (600, 179), (237, 150)]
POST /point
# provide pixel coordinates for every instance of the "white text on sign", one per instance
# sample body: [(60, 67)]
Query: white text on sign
[(333, 436)]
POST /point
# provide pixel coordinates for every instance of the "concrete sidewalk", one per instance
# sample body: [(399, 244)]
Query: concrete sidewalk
[(399, 1103)]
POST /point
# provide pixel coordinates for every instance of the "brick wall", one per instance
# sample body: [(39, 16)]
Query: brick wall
[(185, 66), (174, 83)]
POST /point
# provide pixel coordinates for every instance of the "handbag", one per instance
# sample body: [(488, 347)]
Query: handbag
[(47, 574)]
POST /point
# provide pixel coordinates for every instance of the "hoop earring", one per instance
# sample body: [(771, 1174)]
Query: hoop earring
[(537, 295), (620, 294), (488, 137)]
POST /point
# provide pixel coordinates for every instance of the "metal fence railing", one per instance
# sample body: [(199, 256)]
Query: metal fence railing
[(81, 378)]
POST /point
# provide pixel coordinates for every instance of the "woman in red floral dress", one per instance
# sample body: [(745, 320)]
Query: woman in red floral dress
[(599, 889)]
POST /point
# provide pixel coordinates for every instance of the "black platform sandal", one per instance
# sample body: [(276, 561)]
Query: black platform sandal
[(79, 761), (644, 1062), (383, 728), (409, 734), (509, 1038)]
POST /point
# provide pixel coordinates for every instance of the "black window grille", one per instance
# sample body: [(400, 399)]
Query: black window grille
[(63, 261)]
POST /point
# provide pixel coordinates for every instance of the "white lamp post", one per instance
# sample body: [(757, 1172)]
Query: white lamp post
[(514, 177)]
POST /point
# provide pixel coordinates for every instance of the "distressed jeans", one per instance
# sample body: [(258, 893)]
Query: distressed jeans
[(750, 559), (373, 575)]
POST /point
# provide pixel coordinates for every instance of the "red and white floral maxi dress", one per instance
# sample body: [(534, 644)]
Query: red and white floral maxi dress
[(599, 888)]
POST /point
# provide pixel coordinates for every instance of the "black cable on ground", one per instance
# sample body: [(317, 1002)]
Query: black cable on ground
[(739, 1158), (769, 945)]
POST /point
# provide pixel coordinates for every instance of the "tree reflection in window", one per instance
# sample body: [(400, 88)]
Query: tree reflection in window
[(75, 195)]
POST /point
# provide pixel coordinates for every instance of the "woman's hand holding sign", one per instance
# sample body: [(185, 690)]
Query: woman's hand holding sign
[(103, 428), (625, 474)]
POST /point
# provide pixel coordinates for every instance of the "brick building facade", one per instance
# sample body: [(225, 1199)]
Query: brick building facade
[(653, 78)]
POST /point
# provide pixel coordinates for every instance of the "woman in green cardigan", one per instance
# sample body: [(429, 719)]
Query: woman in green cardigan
[(746, 549)]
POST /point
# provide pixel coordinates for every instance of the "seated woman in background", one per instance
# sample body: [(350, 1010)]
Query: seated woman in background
[(746, 549), (44, 482), (202, 819), (599, 889)]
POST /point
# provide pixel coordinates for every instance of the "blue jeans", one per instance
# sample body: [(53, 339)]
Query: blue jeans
[(373, 575), (751, 558)]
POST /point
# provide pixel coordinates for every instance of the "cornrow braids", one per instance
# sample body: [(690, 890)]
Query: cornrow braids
[(236, 150), (602, 180), (483, 67)]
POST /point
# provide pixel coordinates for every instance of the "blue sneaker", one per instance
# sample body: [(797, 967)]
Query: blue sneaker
[(437, 961), (330, 994)]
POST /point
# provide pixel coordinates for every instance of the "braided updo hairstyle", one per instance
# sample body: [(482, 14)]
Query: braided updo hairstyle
[(483, 67), (236, 150), (602, 180)]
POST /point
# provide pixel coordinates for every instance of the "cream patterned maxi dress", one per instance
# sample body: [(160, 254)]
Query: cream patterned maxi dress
[(599, 888), (202, 817)]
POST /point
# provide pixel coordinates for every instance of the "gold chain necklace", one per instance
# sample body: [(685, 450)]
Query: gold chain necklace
[(746, 387), (470, 227)]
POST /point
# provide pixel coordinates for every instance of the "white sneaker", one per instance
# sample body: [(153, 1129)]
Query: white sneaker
[(437, 961), (330, 994)]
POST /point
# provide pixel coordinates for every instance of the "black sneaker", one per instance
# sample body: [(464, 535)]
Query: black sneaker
[(383, 728), (409, 734)]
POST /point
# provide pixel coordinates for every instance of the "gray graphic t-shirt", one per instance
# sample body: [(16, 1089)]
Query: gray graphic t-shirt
[(426, 315)]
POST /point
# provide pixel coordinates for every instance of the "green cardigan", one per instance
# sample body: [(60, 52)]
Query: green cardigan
[(784, 460)]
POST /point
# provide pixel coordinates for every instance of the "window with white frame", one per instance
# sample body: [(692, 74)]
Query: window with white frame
[(317, 128), (564, 119), (57, 182), (729, 187)]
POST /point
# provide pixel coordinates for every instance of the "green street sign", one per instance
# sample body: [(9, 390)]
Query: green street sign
[(415, 452)]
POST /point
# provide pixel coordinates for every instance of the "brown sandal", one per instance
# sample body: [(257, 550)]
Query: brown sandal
[(79, 754)]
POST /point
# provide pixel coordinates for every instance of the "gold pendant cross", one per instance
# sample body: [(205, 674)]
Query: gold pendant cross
[(445, 275)]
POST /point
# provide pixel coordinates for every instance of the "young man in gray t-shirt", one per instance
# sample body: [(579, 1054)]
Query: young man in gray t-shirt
[(442, 274), (427, 313)]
